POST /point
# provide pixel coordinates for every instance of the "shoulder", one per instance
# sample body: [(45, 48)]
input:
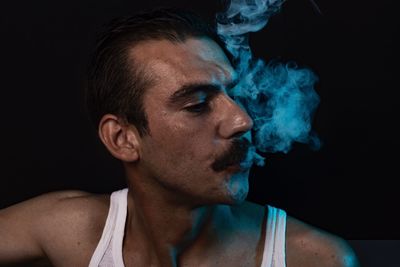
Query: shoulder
[(67, 206), (71, 223), (309, 246), (62, 206), (306, 245), (63, 224), (70, 208), (73, 203)]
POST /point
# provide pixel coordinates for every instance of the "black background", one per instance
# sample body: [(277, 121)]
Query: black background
[(348, 187)]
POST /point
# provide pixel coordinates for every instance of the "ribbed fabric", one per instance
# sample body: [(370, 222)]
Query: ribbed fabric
[(274, 247), (109, 250)]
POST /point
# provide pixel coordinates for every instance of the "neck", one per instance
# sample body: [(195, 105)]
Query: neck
[(164, 230)]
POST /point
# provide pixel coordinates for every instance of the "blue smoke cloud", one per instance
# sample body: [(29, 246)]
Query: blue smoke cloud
[(279, 97)]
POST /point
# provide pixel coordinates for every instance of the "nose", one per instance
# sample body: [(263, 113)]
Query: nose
[(234, 121)]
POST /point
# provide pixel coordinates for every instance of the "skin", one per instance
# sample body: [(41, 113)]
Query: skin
[(180, 211)]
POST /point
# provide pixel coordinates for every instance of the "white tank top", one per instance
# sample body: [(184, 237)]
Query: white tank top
[(109, 250)]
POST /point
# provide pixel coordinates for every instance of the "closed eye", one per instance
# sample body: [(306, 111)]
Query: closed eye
[(199, 108)]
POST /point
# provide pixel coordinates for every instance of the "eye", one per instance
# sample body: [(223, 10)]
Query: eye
[(198, 108)]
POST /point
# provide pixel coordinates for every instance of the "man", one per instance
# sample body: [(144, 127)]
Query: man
[(158, 92)]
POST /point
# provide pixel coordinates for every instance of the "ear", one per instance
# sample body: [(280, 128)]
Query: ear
[(120, 138)]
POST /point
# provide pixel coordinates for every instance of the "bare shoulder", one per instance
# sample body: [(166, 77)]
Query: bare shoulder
[(72, 206), (309, 246), (73, 203), (57, 225), (74, 222), (306, 245)]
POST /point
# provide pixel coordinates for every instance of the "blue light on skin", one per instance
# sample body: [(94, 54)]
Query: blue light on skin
[(279, 97)]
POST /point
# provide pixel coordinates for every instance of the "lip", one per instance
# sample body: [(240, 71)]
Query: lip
[(233, 168), (238, 167)]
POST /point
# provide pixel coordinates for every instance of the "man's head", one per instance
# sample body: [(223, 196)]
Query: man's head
[(116, 82), (173, 124)]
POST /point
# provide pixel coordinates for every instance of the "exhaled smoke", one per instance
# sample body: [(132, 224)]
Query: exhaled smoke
[(279, 97)]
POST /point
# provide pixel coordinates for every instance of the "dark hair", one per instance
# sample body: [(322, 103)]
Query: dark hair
[(115, 84)]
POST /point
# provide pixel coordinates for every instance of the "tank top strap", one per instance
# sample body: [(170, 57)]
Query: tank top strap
[(274, 254), (109, 249)]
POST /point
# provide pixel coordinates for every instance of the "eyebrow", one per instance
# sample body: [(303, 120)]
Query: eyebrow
[(191, 89)]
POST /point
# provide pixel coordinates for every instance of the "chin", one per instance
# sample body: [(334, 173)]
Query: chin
[(238, 188)]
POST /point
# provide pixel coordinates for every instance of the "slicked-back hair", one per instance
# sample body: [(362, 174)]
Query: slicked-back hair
[(115, 84)]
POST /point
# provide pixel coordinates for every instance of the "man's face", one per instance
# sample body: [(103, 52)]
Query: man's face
[(192, 122)]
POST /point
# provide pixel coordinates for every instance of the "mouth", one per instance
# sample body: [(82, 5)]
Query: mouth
[(234, 168), (238, 167), (236, 159)]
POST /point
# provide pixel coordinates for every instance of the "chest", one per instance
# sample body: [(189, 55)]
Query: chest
[(246, 251)]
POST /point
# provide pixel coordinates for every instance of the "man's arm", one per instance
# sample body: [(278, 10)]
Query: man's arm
[(24, 226)]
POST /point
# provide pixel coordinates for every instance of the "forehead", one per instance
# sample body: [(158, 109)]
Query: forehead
[(173, 64)]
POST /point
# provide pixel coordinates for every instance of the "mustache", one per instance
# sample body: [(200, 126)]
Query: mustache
[(234, 155)]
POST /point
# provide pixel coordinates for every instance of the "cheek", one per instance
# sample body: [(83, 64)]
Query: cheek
[(188, 139)]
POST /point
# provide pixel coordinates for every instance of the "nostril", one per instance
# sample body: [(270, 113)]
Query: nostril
[(238, 134)]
